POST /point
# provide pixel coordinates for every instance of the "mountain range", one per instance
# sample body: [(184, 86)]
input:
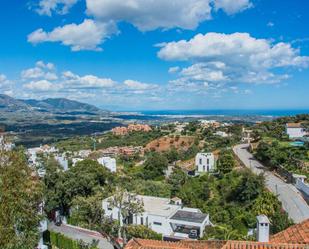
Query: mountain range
[(18, 109), (53, 105)]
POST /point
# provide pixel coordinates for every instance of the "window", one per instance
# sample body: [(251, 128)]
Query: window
[(203, 167), (142, 220), (109, 208), (208, 161), (157, 223), (200, 160)]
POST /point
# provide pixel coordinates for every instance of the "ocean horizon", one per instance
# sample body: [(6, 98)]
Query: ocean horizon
[(227, 112)]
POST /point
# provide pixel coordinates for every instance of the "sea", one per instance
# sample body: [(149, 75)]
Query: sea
[(227, 112)]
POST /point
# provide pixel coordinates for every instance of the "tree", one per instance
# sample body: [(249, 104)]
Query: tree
[(177, 179), (226, 162), (85, 179), (266, 204), (143, 232), (250, 187), (128, 205), (87, 211), (154, 166), (20, 199)]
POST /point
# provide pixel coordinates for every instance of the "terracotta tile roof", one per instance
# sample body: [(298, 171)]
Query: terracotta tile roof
[(189, 244), (293, 125), (294, 237), (204, 244), (154, 244), (298, 233), (261, 245)]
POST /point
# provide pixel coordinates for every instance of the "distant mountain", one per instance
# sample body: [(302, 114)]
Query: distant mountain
[(10, 104), (62, 105), (12, 109)]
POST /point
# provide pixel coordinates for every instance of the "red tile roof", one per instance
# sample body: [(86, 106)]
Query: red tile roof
[(298, 233), (293, 125), (209, 244), (294, 237)]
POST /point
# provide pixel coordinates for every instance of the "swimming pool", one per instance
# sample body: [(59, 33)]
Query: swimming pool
[(297, 143)]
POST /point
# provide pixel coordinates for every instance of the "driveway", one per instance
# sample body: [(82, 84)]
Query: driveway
[(77, 233), (292, 201)]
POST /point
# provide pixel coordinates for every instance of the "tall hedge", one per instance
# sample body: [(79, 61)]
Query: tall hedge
[(62, 242)]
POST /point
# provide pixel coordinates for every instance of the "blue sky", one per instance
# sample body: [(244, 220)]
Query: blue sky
[(151, 55)]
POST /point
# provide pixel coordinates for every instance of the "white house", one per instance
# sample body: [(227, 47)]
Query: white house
[(165, 216), (109, 163), (204, 162), (295, 130), (221, 134)]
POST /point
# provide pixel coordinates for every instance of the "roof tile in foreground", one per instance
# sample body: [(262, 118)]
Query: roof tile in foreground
[(298, 234)]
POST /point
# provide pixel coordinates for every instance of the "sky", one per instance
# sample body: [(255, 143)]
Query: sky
[(157, 55)]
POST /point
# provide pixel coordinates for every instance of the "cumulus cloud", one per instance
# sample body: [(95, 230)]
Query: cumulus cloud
[(232, 7), (145, 15), (40, 86), (137, 85), (72, 80), (40, 71), (150, 15), (47, 7), (85, 36), (232, 57), (3, 80), (173, 69)]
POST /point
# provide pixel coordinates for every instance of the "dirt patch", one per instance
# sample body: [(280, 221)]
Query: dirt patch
[(167, 143)]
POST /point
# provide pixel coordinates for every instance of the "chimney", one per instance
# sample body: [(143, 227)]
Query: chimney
[(263, 223)]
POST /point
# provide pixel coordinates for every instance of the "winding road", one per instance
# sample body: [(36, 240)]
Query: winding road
[(292, 201)]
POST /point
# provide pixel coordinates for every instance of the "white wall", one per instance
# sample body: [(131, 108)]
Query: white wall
[(295, 132), (109, 163), (205, 162)]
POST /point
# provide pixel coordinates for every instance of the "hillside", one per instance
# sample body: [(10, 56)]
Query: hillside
[(62, 105), (18, 108)]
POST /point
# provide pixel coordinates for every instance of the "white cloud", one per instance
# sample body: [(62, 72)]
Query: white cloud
[(46, 7), (232, 57), (150, 15), (3, 80), (88, 81), (40, 86), (270, 24), (40, 71), (145, 15), (173, 69), (137, 85), (85, 36), (232, 7)]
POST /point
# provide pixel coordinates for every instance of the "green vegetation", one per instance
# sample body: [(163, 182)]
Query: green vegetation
[(274, 147), (140, 231), (232, 196), (20, 198), (62, 242)]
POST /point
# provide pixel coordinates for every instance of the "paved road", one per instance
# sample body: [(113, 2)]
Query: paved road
[(292, 201), (76, 233)]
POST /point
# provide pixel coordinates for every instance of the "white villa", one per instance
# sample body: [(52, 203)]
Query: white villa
[(165, 216), (295, 130), (204, 162), (109, 163)]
